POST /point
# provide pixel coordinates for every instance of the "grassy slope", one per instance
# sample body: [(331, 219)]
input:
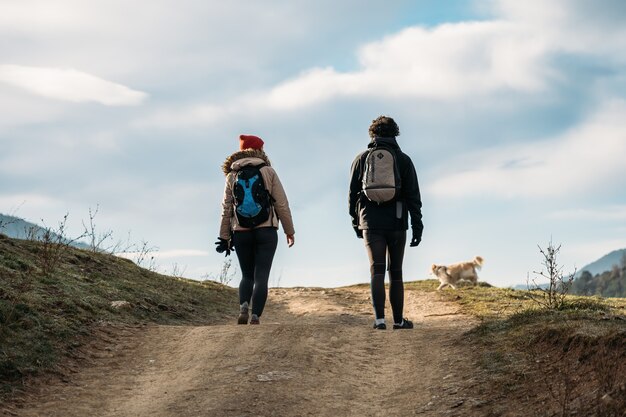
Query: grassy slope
[(44, 316), (573, 359)]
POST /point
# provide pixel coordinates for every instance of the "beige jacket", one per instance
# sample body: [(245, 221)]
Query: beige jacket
[(272, 183)]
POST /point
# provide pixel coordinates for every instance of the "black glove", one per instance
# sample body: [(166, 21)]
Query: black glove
[(417, 238), (359, 232), (223, 245)]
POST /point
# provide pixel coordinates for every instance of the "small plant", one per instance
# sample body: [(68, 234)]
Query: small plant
[(96, 240), (54, 245), (226, 274), (144, 256), (551, 295), (177, 271), (277, 279)]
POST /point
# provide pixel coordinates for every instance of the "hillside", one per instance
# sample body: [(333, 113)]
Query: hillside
[(19, 228), (605, 263), (175, 350), (54, 297), (605, 277), (16, 227), (607, 284)]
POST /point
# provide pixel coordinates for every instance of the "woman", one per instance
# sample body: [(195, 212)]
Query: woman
[(254, 201)]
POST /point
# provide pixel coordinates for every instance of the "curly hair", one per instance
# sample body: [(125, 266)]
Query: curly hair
[(384, 126)]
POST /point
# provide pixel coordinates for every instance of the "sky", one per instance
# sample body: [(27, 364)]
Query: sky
[(514, 114)]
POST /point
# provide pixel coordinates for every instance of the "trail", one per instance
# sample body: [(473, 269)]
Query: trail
[(314, 354)]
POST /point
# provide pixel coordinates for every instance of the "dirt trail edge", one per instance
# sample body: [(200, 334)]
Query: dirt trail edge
[(314, 354)]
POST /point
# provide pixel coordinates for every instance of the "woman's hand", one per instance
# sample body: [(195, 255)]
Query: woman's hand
[(291, 239)]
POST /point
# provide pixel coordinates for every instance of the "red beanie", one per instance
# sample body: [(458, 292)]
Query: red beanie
[(250, 142)]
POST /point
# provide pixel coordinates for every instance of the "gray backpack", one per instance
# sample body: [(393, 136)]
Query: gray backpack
[(381, 176)]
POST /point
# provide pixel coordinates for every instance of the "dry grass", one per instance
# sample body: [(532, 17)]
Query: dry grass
[(570, 361), (44, 317)]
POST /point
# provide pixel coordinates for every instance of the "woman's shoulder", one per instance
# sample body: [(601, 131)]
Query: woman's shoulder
[(268, 172)]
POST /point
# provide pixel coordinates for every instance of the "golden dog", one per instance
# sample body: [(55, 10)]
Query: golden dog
[(452, 274)]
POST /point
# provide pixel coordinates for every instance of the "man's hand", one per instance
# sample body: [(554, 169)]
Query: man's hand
[(359, 232), (291, 239), (417, 238)]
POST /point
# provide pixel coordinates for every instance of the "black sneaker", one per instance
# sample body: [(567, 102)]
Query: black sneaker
[(381, 326), (406, 324)]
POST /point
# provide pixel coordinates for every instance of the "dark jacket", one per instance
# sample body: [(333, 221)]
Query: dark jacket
[(388, 216)]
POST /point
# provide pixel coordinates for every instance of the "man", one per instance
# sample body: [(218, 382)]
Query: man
[(383, 221)]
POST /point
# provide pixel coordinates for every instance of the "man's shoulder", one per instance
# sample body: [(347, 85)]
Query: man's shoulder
[(360, 155), (403, 157)]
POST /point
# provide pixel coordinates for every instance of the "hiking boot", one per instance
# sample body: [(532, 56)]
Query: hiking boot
[(243, 317), (380, 326), (255, 319), (406, 324)]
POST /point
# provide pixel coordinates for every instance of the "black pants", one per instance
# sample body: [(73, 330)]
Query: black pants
[(255, 250), (382, 246)]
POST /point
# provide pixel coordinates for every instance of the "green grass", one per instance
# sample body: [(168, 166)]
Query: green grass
[(528, 351), (486, 302), (507, 317), (44, 316)]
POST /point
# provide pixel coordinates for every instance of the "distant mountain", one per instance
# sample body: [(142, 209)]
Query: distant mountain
[(18, 228), (604, 264), (605, 277), (607, 284), (596, 276)]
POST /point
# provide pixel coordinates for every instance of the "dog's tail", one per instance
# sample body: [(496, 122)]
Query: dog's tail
[(478, 261)]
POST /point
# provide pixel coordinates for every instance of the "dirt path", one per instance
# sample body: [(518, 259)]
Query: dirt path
[(314, 354)]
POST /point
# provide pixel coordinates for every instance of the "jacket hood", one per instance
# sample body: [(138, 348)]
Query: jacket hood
[(242, 158), (391, 142)]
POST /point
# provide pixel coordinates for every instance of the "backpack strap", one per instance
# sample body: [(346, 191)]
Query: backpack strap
[(272, 199)]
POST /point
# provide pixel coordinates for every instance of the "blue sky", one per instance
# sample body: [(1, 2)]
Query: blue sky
[(514, 114)]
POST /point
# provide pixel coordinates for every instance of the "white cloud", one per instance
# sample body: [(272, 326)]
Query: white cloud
[(18, 109), (182, 253), (448, 62), (577, 26), (454, 62), (464, 60), (189, 116), (586, 157), (29, 15), (69, 85), (169, 254), (611, 213)]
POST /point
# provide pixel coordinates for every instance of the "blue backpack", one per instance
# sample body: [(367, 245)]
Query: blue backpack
[(253, 203)]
